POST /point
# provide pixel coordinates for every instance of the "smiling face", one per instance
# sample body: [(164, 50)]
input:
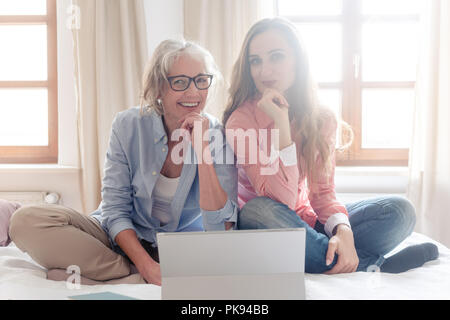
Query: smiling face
[(179, 103), (272, 61)]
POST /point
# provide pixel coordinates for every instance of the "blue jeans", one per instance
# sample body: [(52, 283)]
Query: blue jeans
[(378, 226)]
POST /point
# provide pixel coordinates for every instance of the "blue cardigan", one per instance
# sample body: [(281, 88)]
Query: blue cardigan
[(137, 151)]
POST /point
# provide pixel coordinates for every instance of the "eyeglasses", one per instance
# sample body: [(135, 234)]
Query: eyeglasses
[(182, 82)]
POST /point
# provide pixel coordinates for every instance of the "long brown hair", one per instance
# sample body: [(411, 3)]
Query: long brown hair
[(306, 115)]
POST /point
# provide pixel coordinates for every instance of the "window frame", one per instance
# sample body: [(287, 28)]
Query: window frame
[(351, 84), (38, 154)]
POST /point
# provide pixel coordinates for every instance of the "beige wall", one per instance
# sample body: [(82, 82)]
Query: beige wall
[(61, 178), (165, 20)]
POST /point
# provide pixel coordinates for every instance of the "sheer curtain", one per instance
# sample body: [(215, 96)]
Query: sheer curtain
[(220, 26), (110, 52), (429, 174)]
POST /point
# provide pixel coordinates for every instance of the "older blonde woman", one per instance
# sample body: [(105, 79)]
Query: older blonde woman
[(146, 188)]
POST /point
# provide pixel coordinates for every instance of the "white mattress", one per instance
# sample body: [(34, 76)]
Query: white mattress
[(21, 278)]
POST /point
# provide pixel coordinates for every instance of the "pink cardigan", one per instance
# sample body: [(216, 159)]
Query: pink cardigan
[(279, 176)]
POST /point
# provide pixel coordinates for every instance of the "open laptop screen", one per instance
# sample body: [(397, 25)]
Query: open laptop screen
[(196, 259)]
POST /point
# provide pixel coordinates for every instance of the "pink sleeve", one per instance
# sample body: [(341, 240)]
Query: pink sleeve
[(276, 178), (322, 194)]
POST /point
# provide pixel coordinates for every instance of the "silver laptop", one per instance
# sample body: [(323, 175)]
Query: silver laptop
[(233, 265)]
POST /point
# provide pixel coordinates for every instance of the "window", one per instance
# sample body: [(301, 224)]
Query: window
[(364, 56), (28, 82)]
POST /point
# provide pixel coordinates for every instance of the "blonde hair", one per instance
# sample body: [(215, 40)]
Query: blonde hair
[(154, 81), (307, 117)]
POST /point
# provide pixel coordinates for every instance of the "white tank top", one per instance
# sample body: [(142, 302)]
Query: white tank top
[(163, 194)]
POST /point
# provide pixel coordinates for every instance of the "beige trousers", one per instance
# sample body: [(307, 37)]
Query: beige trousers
[(57, 237)]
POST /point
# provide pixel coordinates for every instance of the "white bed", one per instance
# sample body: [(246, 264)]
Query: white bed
[(21, 278)]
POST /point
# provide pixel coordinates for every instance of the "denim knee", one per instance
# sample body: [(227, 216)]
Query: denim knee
[(255, 210), (257, 204), (403, 213)]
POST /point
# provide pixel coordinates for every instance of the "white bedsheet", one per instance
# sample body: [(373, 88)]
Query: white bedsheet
[(21, 278)]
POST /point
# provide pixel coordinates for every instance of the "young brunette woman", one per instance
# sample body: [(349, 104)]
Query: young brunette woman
[(287, 180)]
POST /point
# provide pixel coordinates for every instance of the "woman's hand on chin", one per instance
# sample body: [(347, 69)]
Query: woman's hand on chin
[(274, 104), (195, 120)]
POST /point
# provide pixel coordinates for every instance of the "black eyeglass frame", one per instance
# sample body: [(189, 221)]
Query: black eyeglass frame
[(210, 76)]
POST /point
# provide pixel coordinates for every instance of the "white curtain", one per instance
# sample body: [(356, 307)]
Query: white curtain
[(429, 176), (220, 26), (110, 52)]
